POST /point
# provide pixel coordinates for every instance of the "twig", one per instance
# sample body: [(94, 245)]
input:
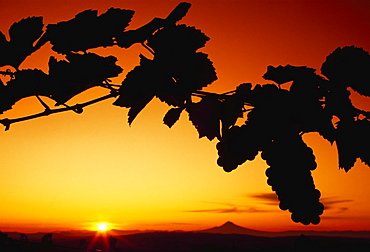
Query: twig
[(205, 93), (42, 103), (76, 108)]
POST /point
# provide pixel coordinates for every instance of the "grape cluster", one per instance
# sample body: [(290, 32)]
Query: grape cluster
[(289, 175), (238, 144)]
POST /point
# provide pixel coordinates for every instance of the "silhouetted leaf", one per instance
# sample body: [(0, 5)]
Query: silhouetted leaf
[(79, 73), (311, 117), (22, 35), (178, 13), (156, 78), (128, 38), (338, 103), (26, 83), (176, 76), (113, 21), (305, 81), (136, 108), (346, 145), (26, 31), (30, 82), (280, 74), (194, 72), (270, 96), (172, 95), (232, 106), (205, 116), (244, 89), (177, 39), (189, 73), (363, 140), (349, 66), (140, 86), (87, 30), (353, 140), (172, 116)]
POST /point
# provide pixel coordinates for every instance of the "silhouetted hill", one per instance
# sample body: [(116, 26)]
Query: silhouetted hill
[(227, 237), (195, 241), (231, 228)]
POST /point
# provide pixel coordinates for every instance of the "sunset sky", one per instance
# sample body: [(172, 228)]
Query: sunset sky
[(71, 171)]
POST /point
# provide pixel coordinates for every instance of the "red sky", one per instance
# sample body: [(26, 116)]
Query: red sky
[(69, 171)]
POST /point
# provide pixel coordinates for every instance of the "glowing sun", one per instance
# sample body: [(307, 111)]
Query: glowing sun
[(102, 227)]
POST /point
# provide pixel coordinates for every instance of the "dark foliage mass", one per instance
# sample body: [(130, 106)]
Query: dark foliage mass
[(65, 79), (172, 75), (78, 73), (269, 118), (87, 30)]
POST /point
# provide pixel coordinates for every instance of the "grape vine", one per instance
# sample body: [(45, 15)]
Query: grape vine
[(275, 116)]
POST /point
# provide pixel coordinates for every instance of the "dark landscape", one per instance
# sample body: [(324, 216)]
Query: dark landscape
[(227, 237)]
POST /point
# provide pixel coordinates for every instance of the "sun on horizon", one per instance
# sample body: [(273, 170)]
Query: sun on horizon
[(102, 227)]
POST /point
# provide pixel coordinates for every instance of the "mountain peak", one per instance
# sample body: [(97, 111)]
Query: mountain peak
[(229, 224), (231, 228)]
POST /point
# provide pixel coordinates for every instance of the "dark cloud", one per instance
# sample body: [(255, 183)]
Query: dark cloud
[(331, 202), (267, 198), (230, 208), (343, 209), (335, 212)]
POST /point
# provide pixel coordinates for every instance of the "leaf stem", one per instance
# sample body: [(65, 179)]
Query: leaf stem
[(42, 103)]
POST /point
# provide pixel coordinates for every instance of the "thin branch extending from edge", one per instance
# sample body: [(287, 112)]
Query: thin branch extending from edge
[(77, 107), (200, 93)]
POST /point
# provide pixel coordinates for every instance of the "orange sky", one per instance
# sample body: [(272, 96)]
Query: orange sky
[(68, 171)]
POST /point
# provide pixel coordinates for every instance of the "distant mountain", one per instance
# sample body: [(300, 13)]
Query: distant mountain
[(231, 228)]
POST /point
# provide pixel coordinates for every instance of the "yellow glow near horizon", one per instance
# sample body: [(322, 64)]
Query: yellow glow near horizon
[(102, 227)]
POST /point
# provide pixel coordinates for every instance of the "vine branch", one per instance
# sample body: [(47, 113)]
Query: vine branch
[(76, 108)]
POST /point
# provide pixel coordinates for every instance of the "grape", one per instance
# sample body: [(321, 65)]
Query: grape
[(289, 175), (237, 145)]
